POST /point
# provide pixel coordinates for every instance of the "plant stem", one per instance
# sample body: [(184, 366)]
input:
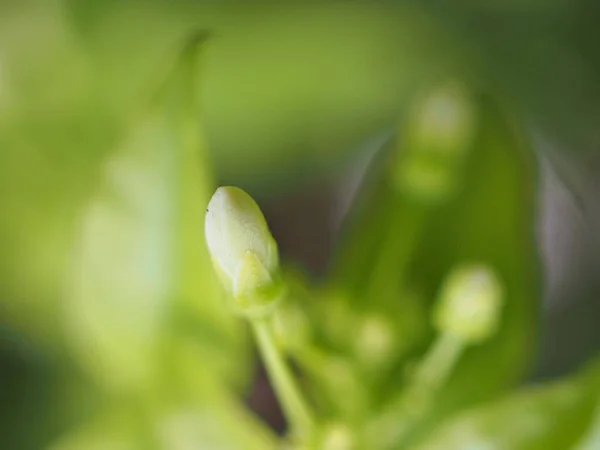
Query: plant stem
[(341, 387), (292, 401), (435, 369), (401, 236), (412, 404)]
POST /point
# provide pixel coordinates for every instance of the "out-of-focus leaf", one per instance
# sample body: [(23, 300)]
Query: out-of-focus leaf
[(177, 429), (591, 438), (261, 62), (492, 221), (197, 412), (141, 255), (265, 60), (347, 77), (366, 227), (39, 399), (191, 409), (516, 59), (118, 431), (72, 72), (183, 421), (50, 144), (489, 221), (551, 417)]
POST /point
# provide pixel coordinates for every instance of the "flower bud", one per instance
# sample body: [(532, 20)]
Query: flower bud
[(337, 436), (439, 132), (243, 252), (375, 341), (291, 327), (470, 302)]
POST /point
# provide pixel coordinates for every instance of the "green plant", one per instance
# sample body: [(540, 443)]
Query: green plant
[(427, 317), (425, 322)]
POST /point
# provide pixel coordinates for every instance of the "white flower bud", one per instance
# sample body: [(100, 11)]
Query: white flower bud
[(243, 251), (470, 304)]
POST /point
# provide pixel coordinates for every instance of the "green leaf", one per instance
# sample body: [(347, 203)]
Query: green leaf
[(411, 245), (115, 431), (546, 417), (176, 426), (490, 221), (193, 410), (141, 262), (592, 438)]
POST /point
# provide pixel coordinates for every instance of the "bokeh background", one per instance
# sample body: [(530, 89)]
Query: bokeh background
[(297, 97)]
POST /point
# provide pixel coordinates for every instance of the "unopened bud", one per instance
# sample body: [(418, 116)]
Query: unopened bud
[(291, 327), (243, 252), (338, 436), (439, 132), (443, 121), (470, 303), (375, 341)]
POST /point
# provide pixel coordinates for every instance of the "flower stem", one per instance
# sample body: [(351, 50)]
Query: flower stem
[(401, 236), (435, 369), (292, 400), (341, 387), (403, 412)]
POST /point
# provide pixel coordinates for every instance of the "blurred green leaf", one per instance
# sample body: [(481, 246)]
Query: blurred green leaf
[(489, 221), (551, 417), (118, 431), (141, 256), (492, 221), (398, 251), (591, 438), (345, 68), (183, 419), (72, 73), (263, 60)]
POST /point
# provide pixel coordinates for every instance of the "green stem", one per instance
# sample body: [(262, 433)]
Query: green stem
[(292, 401), (435, 369), (341, 387), (402, 413), (401, 236)]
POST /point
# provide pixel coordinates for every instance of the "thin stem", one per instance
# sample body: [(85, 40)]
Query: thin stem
[(413, 403), (400, 238), (435, 369), (342, 388), (292, 401)]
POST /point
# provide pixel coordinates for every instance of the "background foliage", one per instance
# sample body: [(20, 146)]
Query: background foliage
[(289, 94)]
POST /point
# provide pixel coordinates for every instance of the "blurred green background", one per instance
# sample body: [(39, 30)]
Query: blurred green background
[(295, 97)]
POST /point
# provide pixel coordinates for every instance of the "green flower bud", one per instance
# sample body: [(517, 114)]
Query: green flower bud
[(243, 252), (337, 436), (439, 132), (375, 341), (291, 327), (443, 122), (470, 302)]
